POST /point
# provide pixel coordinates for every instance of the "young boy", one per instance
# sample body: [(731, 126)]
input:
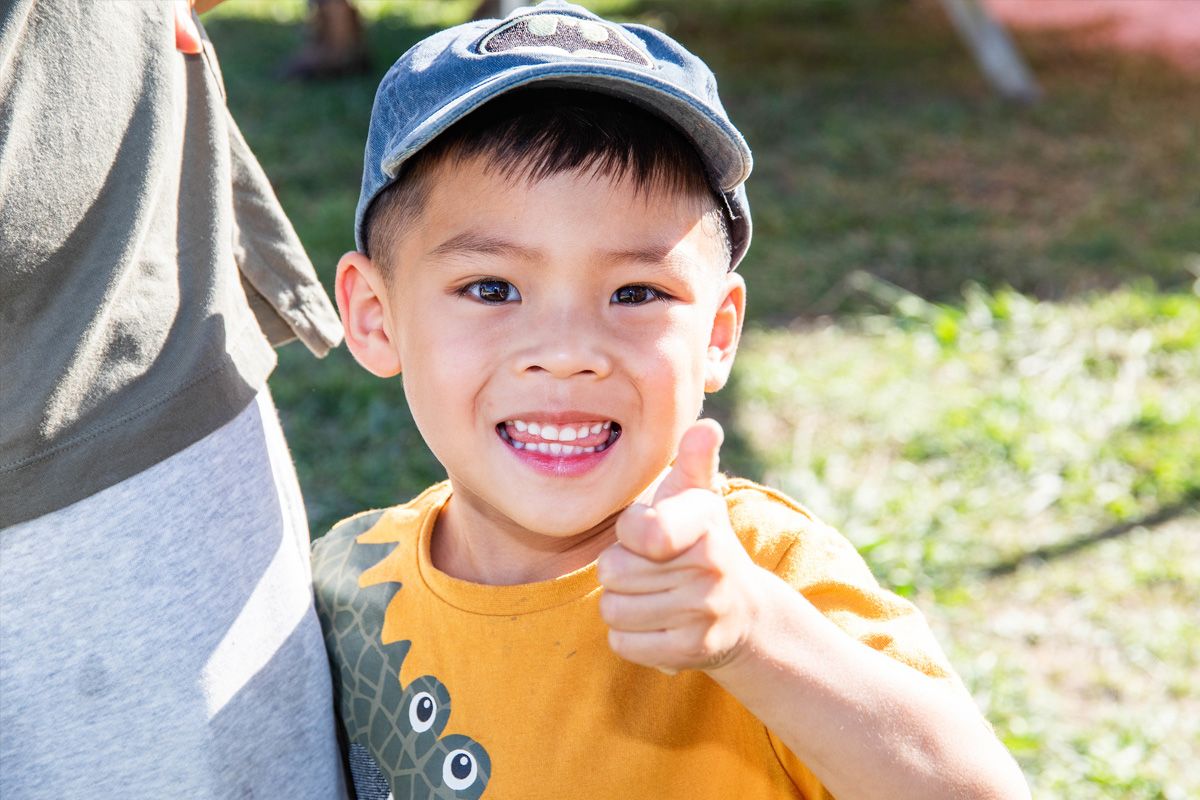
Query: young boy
[(552, 208)]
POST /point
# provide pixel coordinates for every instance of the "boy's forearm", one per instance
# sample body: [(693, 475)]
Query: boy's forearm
[(865, 724)]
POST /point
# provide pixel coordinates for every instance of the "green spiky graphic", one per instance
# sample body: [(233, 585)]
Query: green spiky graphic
[(400, 727)]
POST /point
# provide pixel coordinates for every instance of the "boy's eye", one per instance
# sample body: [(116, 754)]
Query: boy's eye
[(492, 290), (635, 295)]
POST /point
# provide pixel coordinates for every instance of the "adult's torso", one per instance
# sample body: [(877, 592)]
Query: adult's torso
[(125, 334)]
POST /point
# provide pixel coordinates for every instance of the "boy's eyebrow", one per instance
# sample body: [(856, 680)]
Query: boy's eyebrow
[(649, 254), (474, 242), (663, 256)]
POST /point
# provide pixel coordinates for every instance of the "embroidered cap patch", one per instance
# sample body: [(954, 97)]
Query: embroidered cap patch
[(562, 35)]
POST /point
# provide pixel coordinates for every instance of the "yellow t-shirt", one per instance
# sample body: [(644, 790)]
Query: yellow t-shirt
[(513, 692)]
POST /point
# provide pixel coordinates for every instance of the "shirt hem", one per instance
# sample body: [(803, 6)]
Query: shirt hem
[(115, 452)]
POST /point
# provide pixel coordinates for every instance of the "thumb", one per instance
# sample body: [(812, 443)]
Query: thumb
[(695, 466)]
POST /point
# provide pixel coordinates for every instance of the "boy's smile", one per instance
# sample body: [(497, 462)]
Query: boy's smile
[(556, 337), (560, 445)]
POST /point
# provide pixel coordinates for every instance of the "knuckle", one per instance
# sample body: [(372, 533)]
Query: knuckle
[(606, 568), (711, 606), (629, 525), (656, 539), (696, 650), (715, 549), (688, 645), (610, 608), (706, 601)]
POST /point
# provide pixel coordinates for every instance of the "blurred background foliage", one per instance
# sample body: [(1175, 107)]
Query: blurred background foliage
[(973, 340)]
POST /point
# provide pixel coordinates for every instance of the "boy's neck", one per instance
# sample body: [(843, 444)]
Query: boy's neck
[(470, 544)]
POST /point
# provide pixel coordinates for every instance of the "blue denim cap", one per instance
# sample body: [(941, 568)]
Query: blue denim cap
[(447, 76)]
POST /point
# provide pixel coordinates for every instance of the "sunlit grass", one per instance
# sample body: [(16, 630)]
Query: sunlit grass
[(946, 439)]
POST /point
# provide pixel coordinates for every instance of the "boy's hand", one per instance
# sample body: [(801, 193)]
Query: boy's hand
[(679, 588)]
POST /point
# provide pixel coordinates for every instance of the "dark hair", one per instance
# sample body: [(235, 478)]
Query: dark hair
[(539, 132)]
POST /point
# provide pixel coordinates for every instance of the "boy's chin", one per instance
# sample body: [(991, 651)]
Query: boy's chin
[(580, 524)]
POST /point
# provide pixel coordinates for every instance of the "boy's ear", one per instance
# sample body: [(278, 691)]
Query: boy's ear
[(362, 301), (726, 332)]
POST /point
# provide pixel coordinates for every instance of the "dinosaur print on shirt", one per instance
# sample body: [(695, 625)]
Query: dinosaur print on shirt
[(394, 732)]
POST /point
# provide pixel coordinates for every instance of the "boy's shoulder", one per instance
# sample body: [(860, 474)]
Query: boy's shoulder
[(393, 522), (744, 496), (349, 528), (360, 542), (783, 536)]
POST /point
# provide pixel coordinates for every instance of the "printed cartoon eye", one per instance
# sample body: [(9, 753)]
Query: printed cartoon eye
[(421, 711), (492, 291), (635, 295), (459, 770)]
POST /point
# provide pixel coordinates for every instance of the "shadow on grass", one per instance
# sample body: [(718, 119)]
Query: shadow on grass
[(1058, 550)]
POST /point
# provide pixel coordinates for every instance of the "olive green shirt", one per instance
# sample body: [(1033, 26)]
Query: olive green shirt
[(144, 259)]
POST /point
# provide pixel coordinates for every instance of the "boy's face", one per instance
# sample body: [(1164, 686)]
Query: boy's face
[(556, 337)]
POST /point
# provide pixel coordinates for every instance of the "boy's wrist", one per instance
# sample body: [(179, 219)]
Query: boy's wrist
[(769, 600)]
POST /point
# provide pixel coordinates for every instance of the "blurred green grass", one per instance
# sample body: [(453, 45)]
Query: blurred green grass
[(973, 337)]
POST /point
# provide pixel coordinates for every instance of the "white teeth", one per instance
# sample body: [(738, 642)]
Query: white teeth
[(555, 448), (550, 432)]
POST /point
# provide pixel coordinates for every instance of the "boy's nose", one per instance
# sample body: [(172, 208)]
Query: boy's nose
[(565, 347)]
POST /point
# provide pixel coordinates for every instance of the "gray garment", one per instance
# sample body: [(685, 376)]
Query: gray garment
[(159, 640), (128, 201)]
